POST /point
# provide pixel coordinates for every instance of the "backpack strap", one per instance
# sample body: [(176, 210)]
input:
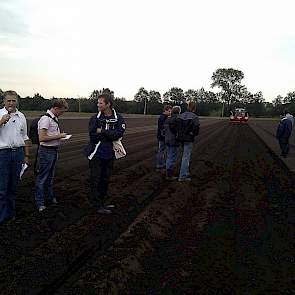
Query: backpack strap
[(49, 116)]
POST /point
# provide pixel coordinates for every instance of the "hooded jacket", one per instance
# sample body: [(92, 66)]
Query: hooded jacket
[(188, 127), (284, 129), (170, 132)]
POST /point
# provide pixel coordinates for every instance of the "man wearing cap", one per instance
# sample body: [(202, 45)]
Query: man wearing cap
[(14, 152)]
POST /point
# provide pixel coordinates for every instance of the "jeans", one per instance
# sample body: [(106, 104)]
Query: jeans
[(100, 172), (10, 166), (171, 157), (187, 150), (284, 145), (160, 159), (46, 165)]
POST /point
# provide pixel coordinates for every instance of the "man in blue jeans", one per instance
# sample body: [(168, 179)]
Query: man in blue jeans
[(284, 132), (160, 158), (50, 139), (188, 127), (14, 151), (171, 143)]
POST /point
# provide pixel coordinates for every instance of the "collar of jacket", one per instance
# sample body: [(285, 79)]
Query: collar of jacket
[(114, 112)]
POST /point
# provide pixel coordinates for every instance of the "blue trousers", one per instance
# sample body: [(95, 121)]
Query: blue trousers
[(284, 145), (46, 166), (160, 159), (171, 157), (10, 166), (186, 156)]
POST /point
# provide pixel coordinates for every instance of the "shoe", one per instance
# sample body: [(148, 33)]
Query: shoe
[(110, 206), (54, 201), (41, 208), (184, 179), (171, 178), (103, 210)]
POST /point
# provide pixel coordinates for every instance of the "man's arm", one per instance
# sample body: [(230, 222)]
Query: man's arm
[(115, 134), (44, 137)]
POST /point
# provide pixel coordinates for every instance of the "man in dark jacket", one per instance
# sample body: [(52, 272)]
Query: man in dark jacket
[(284, 131), (104, 128), (160, 159), (171, 143), (187, 129)]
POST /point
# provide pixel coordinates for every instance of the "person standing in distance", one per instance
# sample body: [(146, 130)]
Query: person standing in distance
[(50, 139), (104, 128), (14, 151), (284, 131), (187, 129), (160, 158)]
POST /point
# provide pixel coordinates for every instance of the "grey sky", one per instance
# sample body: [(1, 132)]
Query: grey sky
[(69, 48)]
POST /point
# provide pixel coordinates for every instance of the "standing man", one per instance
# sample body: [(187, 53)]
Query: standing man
[(289, 117), (50, 139), (188, 127), (104, 128), (284, 131), (14, 151), (160, 159), (171, 143)]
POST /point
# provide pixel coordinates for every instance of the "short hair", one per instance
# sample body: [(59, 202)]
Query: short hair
[(286, 111), (107, 99), (192, 106), (60, 103), (167, 107), (176, 110), (9, 92)]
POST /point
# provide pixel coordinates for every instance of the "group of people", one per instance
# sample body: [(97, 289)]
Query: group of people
[(284, 132), (176, 130), (105, 127)]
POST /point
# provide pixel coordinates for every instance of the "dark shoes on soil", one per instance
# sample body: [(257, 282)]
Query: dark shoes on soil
[(171, 178), (184, 179), (104, 210)]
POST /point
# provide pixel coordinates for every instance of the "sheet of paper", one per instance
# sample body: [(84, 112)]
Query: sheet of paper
[(68, 136), (24, 168)]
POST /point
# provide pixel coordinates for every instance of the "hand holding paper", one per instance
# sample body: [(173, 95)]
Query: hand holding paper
[(68, 136)]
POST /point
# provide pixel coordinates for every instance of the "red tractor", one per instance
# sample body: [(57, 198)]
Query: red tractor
[(239, 115)]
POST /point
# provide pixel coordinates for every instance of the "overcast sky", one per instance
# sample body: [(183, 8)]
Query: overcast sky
[(66, 48)]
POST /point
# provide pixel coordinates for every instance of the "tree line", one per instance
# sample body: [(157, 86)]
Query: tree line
[(231, 94)]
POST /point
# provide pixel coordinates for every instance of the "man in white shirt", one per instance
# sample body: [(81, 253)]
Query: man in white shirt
[(14, 151), (50, 138), (289, 117)]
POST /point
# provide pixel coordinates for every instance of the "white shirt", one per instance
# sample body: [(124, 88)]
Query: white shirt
[(290, 117), (51, 127), (13, 133)]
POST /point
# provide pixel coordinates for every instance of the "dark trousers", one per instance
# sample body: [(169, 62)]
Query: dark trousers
[(100, 172), (284, 145), (11, 161)]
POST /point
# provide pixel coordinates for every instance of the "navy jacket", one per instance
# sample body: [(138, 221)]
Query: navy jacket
[(170, 131), (161, 131), (284, 129), (113, 128)]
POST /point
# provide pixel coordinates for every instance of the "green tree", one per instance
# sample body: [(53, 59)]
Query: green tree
[(290, 98), (277, 101), (142, 97), (229, 80), (175, 96), (154, 96)]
